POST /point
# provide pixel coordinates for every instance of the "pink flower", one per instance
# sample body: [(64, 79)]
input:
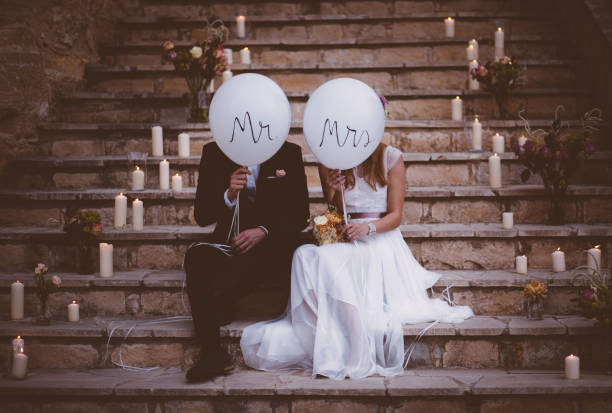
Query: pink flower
[(41, 269), (168, 45), (505, 60), (56, 280), (172, 55), (280, 173), (482, 70)]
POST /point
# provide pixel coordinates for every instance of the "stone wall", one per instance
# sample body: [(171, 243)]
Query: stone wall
[(44, 47)]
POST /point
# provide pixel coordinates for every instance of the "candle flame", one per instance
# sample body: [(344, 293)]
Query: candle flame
[(18, 337), (597, 246), (176, 175), (558, 248), (449, 18), (495, 154), (475, 61), (137, 168), (471, 46), (497, 134), (165, 160), (73, 302), (136, 200), (476, 119), (121, 194), (21, 350), (246, 48), (457, 97), (499, 29), (474, 40)]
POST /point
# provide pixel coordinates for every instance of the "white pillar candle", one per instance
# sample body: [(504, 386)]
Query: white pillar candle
[(211, 87), (494, 171), (177, 183), (457, 108), (20, 365), (558, 260), (498, 143), (572, 367), (138, 179), (137, 215), (471, 53), (245, 56), (499, 43), (106, 260), (158, 141), (17, 298), (474, 44), (449, 24), (521, 264), (73, 312), (473, 83), (241, 27), (476, 135), (164, 175), (229, 56), (120, 211), (522, 140), (594, 259), (183, 145), (507, 220), (227, 75), (17, 346)]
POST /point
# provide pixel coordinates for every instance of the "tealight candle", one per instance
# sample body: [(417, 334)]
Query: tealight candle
[(572, 367), (106, 260), (241, 27), (494, 171), (473, 83), (157, 135), (457, 108), (183, 145), (120, 211), (498, 143), (19, 369), (471, 53), (499, 43), (138, 179), (177, 183), (476, 135), (137, 215), (229, 56), (521, 264), (558, 260), (17, 291), (164, 175), (522, 140), (593, 259), (507, 220), (227, 75), (449, 24), (73, 312), (245, 56)]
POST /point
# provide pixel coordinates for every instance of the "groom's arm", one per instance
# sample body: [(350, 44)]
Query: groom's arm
[(209, 202)]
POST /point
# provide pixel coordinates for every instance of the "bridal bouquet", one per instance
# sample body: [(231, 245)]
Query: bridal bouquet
[(327, 228)]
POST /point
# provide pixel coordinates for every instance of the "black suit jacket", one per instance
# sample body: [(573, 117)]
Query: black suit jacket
[(281, 204)]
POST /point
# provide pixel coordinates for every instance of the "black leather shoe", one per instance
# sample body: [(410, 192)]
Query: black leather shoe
[(210, 367)]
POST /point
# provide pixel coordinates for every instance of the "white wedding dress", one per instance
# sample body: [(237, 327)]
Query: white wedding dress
[(348, 302)]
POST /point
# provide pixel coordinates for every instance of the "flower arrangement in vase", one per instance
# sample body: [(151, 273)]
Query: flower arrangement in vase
[(44, 287), (199, 65), (82, 228), (534, 294), (499, 78)]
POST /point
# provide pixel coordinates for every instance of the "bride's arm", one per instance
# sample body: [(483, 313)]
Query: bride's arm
[(331, 180)]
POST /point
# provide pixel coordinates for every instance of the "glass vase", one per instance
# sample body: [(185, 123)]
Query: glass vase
[(556, 216), (198, 106), (84, 260), (534, 307), (44, 315)]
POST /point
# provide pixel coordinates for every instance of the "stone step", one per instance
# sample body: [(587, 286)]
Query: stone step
[(142, 293), (422, 169), (410, 104), (480, 342), (309, 76), (416, 390), (423, 205), (436, 246)]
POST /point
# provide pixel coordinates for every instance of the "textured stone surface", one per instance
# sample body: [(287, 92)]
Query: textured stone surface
[(54, 356), (144, 355), (471, 354)]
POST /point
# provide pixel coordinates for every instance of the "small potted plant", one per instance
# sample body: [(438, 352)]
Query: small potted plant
[(82, 228), (535, 293), (44, 287)]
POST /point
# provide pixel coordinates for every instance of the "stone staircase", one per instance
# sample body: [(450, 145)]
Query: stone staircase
[(451, 217)]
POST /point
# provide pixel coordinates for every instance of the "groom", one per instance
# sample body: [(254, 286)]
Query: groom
[(273, 209)]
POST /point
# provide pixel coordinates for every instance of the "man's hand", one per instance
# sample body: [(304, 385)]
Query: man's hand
[(247, 239), (237, 182)]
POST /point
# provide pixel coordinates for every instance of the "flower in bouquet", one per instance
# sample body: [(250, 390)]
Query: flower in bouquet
[(196, 52), (327, 228), (82, 225), (498, 78), (535, 289)]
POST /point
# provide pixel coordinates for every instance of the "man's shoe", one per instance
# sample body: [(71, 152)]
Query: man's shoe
[(210, 367)]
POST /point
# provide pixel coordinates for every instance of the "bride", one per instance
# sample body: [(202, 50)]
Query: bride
[(348, 300)]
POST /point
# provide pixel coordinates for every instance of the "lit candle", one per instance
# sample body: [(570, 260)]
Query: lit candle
[(138, 179), (522, 140), (17, 300), (498, 143), (177, 183), (120, 211), (594, 259), (476, 135), (20, 365), (507, 220), (227, 75), (137, 215), (471, 53), (106, 260), (164, 175), (457, 108), (158, 140), (521, 264), (245, 56), (474, 44), (229, 56), (241, 27), (17, 345), (558, 260), (449, 24), (183, 145), (499, 43), (494, 171), (572, 367), (73, 312), (473, 83)]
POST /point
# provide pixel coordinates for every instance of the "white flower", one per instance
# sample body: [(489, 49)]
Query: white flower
[(196, 52), (280, 173), (56, 280), (41, 269), (320, 220)]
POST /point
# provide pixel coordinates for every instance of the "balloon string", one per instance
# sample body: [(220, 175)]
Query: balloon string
[(343, 204)]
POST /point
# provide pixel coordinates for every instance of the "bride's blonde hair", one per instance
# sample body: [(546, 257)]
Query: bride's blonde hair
[(372, 169)]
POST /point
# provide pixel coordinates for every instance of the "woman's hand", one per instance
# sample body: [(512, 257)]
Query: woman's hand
[(355, 230), (335, 179)]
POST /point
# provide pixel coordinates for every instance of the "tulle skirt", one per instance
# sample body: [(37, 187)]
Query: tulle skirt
[(347, 306)]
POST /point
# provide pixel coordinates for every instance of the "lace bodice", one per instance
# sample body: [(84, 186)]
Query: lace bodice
[(362, 198)]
